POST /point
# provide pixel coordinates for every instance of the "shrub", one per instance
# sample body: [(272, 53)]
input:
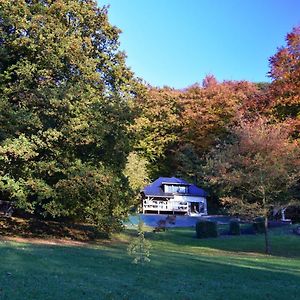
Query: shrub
[(205, 229), (234, 228), (259, 225), (293, 213)]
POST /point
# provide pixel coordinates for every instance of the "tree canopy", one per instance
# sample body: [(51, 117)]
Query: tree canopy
[(258, 170), (80, 135), (285, 72), (64, 103)]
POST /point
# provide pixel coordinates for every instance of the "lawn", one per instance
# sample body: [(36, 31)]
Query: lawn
[(181, 267)]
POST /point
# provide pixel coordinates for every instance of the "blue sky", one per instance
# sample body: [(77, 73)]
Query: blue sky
[(177, 42)]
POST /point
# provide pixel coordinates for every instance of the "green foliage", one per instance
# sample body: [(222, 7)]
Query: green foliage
[(234, 228), (156, 129), (187, 162), (136, 171), (65, 95), (139, 247), (293, 213), (157, 123), (93, 194), (206, 229)]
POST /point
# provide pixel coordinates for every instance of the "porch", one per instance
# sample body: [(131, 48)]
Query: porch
[(177, 205)]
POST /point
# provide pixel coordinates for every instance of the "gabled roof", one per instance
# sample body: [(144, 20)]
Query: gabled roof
[(156, 187)]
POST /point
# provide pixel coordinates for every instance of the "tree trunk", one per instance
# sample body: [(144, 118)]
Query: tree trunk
[(267, 242)]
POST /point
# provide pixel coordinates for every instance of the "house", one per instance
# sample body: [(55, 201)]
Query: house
[(174, 196)]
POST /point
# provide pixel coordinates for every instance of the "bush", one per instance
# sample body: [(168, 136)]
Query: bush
[(293, 213), (205, 229), (259, 225), (234, 228)]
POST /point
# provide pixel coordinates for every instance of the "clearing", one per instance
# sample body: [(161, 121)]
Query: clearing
[(181, 267)]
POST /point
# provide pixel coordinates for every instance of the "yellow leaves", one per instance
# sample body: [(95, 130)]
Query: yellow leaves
[(19, 148), (136, 171), (39, 187), (50, 136), (57, 6)]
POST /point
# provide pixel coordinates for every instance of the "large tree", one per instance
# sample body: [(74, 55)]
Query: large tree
[(176, 128), (257, 171), (157, 128), (208, 111), (285, 72), (206, 114), (64, 94)]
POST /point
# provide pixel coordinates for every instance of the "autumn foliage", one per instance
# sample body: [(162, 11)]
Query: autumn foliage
[(285, 71), (175, 128), (285, 88), (258, 169), (73, 116)]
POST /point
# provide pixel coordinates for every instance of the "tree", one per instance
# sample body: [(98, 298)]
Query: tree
[(136, 171), (257, 171), (64, 104), (156, 128), (209, 81), (208, 112), (139, 247), (174, 129), (285, 72)]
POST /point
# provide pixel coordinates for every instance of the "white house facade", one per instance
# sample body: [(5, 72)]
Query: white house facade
[(171, 195)]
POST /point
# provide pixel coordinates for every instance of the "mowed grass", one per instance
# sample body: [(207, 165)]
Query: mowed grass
[(181, 267)]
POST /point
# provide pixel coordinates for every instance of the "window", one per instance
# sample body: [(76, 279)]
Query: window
[(181, 189)]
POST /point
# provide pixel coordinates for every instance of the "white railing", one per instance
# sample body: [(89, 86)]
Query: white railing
[(165, 206)]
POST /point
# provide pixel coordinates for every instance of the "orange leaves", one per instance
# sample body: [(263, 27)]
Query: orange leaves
[(285, 70), (208, 112), (169, 119), (262, 164)]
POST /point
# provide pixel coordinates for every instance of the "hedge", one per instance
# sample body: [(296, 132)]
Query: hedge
[(206, 229)]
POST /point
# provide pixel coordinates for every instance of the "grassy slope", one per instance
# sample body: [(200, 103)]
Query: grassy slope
[(181, 267)]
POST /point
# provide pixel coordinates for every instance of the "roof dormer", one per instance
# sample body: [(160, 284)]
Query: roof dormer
[(175, 188)]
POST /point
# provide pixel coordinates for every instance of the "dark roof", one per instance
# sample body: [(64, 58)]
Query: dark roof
[(155, 188)]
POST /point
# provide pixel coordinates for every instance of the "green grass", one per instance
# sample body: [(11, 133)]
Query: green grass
[(181, 267)]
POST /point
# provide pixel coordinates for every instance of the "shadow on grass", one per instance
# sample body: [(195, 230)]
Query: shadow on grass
[(38, 228), (51, 272), (282, 244)]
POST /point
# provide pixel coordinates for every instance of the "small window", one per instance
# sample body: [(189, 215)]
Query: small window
[(182, 189)]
